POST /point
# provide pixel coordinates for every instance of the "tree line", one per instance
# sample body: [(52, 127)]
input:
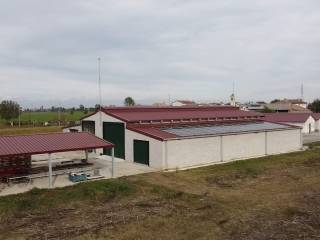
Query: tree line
[(11, 110)]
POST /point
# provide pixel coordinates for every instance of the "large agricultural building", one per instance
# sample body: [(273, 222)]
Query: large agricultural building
[(182, 137), (309, 122)]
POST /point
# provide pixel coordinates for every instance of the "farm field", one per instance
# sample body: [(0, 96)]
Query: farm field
[(274, 197), (30, 130), (48, 116)]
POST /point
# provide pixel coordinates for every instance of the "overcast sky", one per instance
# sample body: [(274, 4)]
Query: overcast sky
[(190, 49)]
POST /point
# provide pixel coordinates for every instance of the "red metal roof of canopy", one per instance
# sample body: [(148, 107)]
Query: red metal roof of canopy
[(49, 143), (134, 114)]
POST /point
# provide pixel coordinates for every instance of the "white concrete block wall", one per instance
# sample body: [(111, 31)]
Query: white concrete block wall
[(78, 128), (203, 151), (283, 141), (192, 152), (156, 148), (99, 127), (318, 125), (312, 123), (305, 125), (243, 146)]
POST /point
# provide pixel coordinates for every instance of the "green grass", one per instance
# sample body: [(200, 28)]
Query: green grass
[(275, 196), (313, 145), (43, 199), (48, 116), (31, 130)]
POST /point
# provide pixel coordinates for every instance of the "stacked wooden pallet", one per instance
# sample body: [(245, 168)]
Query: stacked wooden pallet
[(10, 166)]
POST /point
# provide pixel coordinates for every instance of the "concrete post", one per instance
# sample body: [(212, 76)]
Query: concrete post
[(86, 153), (266, 143), (50, 170), (221, 148), (112, 167)]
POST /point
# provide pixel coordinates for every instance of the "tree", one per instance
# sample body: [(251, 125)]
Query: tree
[(81, 108), (9, 109), (275, 101), (129, 102), (315, 106), (97, 106), (267, 110)]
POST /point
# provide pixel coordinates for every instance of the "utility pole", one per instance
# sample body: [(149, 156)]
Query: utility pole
[(100, 94), (59, 115), (19, 117)]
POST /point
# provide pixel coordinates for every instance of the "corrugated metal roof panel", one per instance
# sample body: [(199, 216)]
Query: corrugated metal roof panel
[(224, 129), (287, 117), (316, 116), (136, 114), (50, 143)]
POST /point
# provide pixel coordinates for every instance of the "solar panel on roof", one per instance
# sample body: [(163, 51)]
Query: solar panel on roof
[(223, 129)]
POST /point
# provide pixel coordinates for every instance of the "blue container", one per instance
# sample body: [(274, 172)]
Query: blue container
[(77, 177)]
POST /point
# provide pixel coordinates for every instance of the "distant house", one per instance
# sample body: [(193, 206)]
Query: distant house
[(257, 107), (181, 103), (72, 128), (159, 104), (287, 106), (298, 102), (304, 120)]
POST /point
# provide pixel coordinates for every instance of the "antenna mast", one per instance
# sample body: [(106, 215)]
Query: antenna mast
[(100, 95), (302, 92)]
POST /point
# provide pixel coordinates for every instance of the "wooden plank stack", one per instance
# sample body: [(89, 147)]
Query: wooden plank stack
[(14, 166)]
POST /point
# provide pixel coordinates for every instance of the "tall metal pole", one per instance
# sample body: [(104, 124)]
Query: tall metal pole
[(112, 167), (19, 117), (100, 94)]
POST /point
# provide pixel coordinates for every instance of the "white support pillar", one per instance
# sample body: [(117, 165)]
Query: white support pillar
[(221, 148), (301, 140), (50, 170), (266, 143), (112, 167), (86, 153)]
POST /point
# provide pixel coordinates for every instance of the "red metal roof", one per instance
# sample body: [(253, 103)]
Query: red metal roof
[(136, 114), (316, 116), (153, 132), (287, 117), (49, 143)]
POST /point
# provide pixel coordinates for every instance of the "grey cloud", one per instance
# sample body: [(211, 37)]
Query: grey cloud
[(190, 49)]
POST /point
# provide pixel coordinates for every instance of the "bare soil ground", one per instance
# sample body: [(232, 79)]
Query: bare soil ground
[(276, 197)]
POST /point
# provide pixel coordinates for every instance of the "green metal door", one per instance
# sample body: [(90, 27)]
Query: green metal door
[(114, 133), (141, 151)]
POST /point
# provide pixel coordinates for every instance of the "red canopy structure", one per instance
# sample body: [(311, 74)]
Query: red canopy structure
[(50, 143), (27, 145)]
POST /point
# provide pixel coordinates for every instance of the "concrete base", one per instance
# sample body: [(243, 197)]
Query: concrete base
[(104, 163)]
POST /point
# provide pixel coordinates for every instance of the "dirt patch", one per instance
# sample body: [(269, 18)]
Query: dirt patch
[(315, 161), (301, 221), (278, 200), (64, 223)]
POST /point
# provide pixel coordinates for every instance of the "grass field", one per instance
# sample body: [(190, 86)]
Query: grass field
[(48, 116), (275, 197), (31, 130)]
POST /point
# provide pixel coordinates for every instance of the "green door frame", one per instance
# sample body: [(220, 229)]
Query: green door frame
[(114, 132), (141, 152)]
